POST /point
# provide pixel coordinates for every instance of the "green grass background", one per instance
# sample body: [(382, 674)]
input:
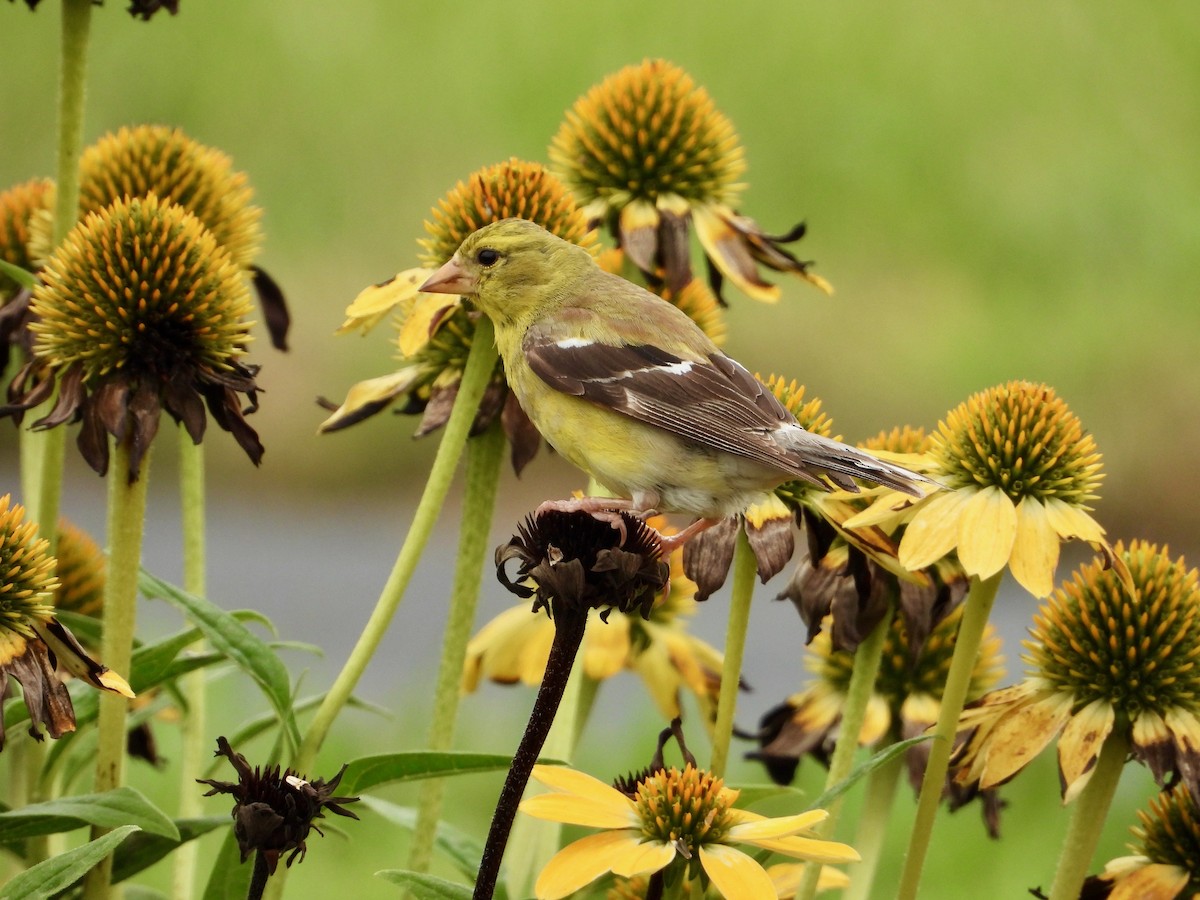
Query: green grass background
[(996, 191)]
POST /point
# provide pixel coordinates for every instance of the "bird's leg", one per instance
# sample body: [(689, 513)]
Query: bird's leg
[(672, 542)]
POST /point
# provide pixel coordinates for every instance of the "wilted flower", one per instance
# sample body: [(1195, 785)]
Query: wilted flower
[(1103, 662), (681, 822), (905, 702), (433, 330), (275, 810), (1020, 471), (139, 311), (647, 152), (1167, 860), (514, 647), (32, 642)]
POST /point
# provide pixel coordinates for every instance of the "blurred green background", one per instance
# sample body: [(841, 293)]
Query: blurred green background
[(995, 192)]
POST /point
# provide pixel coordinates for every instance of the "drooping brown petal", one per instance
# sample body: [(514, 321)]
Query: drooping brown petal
[(523, 436), (675, 248), (773, 544), (145, 411), (185, 405), (638, 234), (67, 652), (32, 385), (274, 307), (227, 412), (46, 697), (70, 396), (708, 555)]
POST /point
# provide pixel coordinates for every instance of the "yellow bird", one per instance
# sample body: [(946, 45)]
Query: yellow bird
[(629, 389)]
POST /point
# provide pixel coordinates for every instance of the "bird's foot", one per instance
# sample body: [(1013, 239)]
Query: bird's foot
[(604, 509), (672, 542)]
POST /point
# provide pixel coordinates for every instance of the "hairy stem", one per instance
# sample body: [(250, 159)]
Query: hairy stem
[(872, 827)]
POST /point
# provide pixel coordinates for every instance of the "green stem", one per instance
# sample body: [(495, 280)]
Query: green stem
[(744, 567), (478, 371), (1088, 817), (484, 456), (126, 521), (194, 685), (854, 713), (978, 607), (879, 798)]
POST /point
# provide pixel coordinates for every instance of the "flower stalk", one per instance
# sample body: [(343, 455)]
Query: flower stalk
[(854, 712), (744, 568), (879, 798), (477, 372), (484, 456), (569, 624), (1088, 817), (977, 608), (126, 522)]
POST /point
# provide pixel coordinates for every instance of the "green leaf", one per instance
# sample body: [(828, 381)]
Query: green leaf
[(145, 849), (63, 870), (880, 759), (426, 887), (749, 794), (23, 277), (122, 806), (235, 641), (367, 772), (230, 877), (462, 849)]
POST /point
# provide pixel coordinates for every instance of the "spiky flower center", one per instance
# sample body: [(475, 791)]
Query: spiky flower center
[(900, 676), (81, 571), (142, 287), (646, 131), (18, 205), (1021, 438), (26, 571), (1170, 833), (685, 807), (513, 188), (807, 412), (901, 439), (155, 159), (1141, 654)]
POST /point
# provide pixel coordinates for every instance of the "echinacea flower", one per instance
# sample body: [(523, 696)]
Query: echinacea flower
[(32, 642), (514, 647), (1020, 473), (139, 311), (650, 156), (18, 206), (433, 330), (1166, 863), (275, 810), (905, 702), (156, 159), (1103, 662), (681, 822)]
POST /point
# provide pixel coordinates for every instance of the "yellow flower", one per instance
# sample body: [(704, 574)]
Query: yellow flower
[(514, 647), (648, 152), (1020, 471), (1101, 661), (680, 821), (1167, 864)]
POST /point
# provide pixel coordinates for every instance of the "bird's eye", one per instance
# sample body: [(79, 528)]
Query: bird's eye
[(487, 257)]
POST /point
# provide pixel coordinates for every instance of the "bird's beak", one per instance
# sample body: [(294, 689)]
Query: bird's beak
[(451, 278)]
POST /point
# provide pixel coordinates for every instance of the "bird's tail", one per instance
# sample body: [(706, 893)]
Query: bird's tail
[(841, 464)]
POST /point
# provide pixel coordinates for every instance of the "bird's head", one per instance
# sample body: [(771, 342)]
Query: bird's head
[(510, 269)]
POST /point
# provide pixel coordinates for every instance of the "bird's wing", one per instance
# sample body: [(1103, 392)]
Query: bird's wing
[(711, 400)]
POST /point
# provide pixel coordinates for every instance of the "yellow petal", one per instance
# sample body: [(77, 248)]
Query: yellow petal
[(727, 250), (809, 848), (605, 646), (1020, 735), (639, 233), (752, 827), (734, 874), (497, 652), (987, 528), (657, 672), (1080, 744), (375, 302), (428, 312), (648, 856), (1072, 522), (787, 877), (574, 810), (933, 531), (582, 862), (368, 397), (1158, 881), (1035, 549), (886, 508), (566, 780)]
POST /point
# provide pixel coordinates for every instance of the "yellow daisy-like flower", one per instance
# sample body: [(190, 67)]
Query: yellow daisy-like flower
[(514, 647), (649, 155), (1020, 471), (1101, 662), (1166, 863), (18, 205), (679, 822), (433, 331)]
